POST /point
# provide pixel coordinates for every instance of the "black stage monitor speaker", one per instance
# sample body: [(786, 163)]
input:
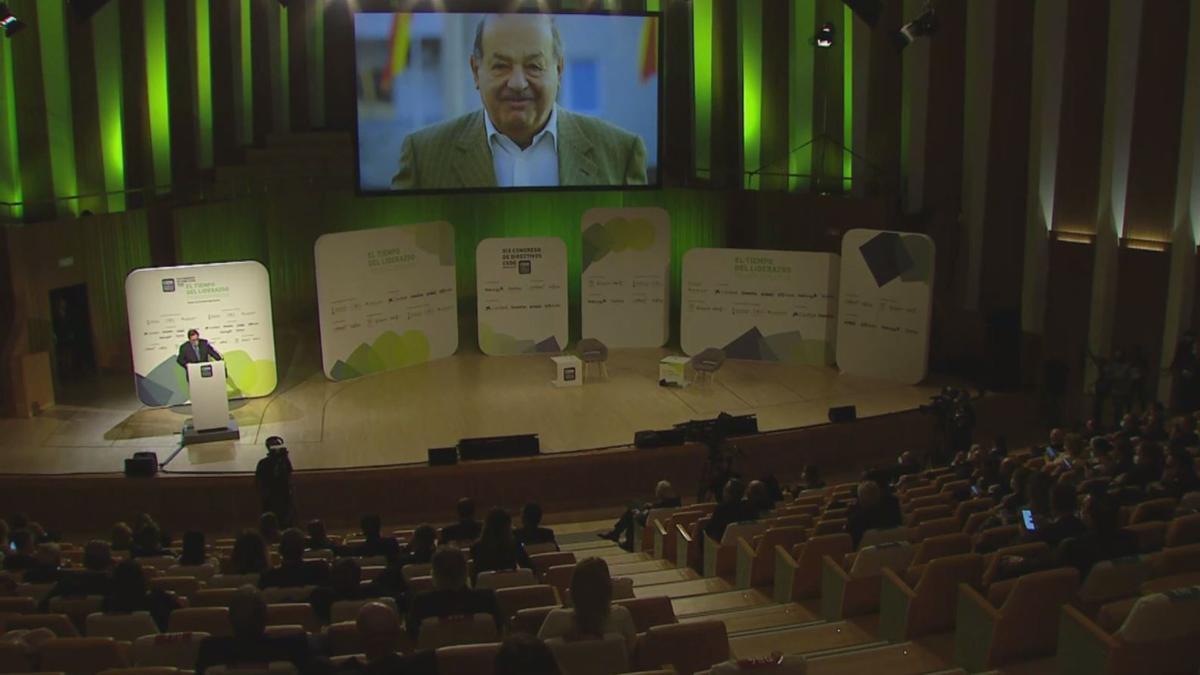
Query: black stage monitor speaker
[(658, 439), (141, 465), (443, 456), (843, 413), (498, 447)]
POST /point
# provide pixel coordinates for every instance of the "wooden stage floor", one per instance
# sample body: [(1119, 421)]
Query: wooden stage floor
[(393, 418)]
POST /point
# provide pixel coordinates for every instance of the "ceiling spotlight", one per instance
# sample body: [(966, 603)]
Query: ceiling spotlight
[(825, 35), (923, 26), (9, 22)]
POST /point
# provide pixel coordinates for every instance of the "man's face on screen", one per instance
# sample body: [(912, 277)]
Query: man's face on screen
[(518, 74)]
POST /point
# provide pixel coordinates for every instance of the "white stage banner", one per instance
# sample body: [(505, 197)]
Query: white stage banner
[(626, 284), (760, 305), (521, 290), (387, 298), (229, 303), (884, 305)]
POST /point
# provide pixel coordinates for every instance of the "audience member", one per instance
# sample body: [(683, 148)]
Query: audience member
[(1062, 523), (194, 550), (268, 527), (522, 654), (121, 537), (593, 616), (1103, 459), (47, 565), (496, 550), (531, 531), (1178, 478), (249, 643), (318, 538), (622, 530), (1103, 539), (3, 536), (732, 509), (148, 543), (130, 594), (875, 510), (758, 499), (19, 556), (249, 555), (1184, 434), (467, 529), (93, 579), (374, 543), (1054, 447), (450, 595), (293, 569), (273, 481), (420, 548), (345, 583), (379, 634), (810, 478)]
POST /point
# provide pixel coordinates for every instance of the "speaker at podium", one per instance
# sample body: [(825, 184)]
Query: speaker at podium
[(210, 405)]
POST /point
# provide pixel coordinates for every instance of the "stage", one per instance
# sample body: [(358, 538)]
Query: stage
[(392, 418)]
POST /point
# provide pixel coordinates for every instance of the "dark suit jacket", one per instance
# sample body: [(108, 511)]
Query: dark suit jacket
[(187, 355), (384, 546), (461, 531), (216, 651), (287, 575), (79, 583), (537, 535), (728, 513), (423, 662), (884, 515), (451, 603), (456, 154)]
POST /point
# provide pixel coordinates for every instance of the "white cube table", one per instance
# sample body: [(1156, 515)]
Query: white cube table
[(568, 371)]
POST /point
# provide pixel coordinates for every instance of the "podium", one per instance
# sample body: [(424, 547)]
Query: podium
[(210, 419)]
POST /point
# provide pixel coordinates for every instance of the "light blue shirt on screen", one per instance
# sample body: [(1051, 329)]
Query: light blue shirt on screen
[(534, 166)]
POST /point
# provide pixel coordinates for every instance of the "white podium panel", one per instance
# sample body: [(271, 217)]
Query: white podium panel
[(210, 407), (568, 371)]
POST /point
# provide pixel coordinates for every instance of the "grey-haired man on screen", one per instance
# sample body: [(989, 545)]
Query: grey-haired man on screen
[(521, 137)]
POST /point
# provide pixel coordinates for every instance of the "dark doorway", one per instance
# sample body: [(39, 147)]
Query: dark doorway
[(71, 323)]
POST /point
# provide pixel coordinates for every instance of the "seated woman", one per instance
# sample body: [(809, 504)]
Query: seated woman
[(130, 594), (593, 617), (249, 554), (194, 552), (496, 550)]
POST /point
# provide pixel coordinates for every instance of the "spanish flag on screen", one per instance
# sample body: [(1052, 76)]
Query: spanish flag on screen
[(648, 66), (398, 41)]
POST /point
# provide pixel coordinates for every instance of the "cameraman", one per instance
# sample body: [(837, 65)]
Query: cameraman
[(273, 479)]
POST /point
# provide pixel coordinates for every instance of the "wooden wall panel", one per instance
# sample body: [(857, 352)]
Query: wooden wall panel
[(1141, 306)]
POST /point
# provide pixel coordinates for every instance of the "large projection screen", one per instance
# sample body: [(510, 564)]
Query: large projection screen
[(548, 101), (229, 303)]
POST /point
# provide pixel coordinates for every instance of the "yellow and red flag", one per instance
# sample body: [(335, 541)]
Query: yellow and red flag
[(648, 64), (398, 41)]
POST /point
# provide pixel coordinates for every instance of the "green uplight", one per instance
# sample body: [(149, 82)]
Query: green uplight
[(56, 80), (247, 76), (204, 106), (800, 95), (702, 58), (155, 30), (750, 25), (10, 169), (106, 31), (285, 115), (847, 96)]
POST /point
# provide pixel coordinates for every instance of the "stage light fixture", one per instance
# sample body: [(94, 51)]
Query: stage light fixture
[(84, 9), (925, 25), (9, 22), (826, 35)]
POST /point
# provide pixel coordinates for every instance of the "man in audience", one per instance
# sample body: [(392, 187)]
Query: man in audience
[(379, 634), (1103, 459), (318, 538), (664, 498), (268, 527), (758, 499), (293, 569), (121, 537), (345, 583), (249, 642), (148, 543), (47, 567), (732, 509), (467, 529), (19, 557), (450, 595), (1102, 540), (374, 544), (875, 510), (93, 579), (531, 532), (273, 480), (1062, 523), (1058, 439)]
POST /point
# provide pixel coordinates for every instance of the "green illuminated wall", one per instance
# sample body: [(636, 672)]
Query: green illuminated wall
[(702, 82), (201, 26), (750, 18), (155, 28), (10, 170), (800, 96), (106, 31), (56, 79), (847, 34)]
